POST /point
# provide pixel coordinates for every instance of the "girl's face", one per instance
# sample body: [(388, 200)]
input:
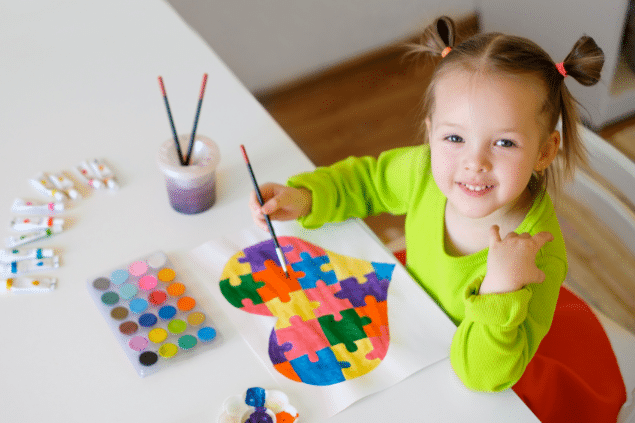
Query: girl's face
[(486, 139)]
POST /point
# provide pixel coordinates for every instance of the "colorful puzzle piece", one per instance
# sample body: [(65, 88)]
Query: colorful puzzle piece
[(346, 267), (305, 337), (252, 308), (277, 285), (332, 309), (345, 331), (329, 303), (312, 268), (326, 371), (258, 254), (247, 289), (298, 305), (358, 359), (276, 351), (356, 292), (377, 311)]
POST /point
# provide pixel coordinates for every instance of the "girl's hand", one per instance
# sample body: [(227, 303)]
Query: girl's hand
[(281, 203), (511, 262)]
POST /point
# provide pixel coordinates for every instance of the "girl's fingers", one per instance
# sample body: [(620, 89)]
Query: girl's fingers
[(541, 238), (538, 276), (270, 206), (494, 234)]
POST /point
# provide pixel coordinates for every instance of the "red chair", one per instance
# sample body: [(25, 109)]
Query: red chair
[(574, 375)]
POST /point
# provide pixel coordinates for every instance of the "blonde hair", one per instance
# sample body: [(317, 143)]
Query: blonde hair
[(506, 54)]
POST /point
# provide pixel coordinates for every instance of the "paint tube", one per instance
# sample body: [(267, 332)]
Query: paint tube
[(31, 236), (24, 285), (104, 173), (88, 175), (65, 184), (35, 223), (22, 206), (44, 186), (8, 256), (29, 266)]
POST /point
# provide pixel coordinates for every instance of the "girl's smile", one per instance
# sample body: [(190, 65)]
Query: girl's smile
[(475, 190)]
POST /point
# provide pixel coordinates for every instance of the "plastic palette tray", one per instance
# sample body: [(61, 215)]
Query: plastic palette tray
[(154, 316)]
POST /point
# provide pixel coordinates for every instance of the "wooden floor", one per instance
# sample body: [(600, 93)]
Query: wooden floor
[(371, 104)]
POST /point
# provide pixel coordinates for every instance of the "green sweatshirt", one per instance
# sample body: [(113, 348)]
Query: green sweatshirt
[(497, 334)]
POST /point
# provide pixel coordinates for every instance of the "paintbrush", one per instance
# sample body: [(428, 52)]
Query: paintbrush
[(281, 258), (176, 137), (198, 112)]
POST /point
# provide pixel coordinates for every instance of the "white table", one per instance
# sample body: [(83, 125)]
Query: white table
[(78, 80)]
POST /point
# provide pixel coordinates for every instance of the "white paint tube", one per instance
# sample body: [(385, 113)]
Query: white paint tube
[(44, 186), (33, 207), (29, 266), (8, 256), (65, 184), (35, 223), (26, 285)]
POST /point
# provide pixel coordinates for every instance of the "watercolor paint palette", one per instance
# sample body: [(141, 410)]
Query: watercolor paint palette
[(152, 313)]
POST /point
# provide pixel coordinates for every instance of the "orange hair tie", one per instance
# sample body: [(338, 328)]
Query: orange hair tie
[(560, 67), (446, 51)]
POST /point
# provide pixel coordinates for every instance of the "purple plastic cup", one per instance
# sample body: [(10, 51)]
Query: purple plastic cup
[(191, 189)]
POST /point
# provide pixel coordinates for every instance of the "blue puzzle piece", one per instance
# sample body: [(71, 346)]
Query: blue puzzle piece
[(326, 371), (312, 268), (356, 292), (383, 270), (276, 351)]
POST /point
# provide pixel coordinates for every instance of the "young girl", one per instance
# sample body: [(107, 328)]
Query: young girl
[(482, 235)]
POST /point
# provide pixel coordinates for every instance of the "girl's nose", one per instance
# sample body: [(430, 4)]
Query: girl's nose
[(477, 161)]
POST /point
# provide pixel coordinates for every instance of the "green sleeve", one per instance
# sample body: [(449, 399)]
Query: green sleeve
[(360, 186), (501, 332)]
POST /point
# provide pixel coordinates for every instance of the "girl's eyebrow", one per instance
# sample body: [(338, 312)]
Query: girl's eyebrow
[(509, 131), (451, 125), (516, 132)]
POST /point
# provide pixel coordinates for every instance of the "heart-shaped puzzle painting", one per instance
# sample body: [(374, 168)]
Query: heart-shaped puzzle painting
[(332, 309)]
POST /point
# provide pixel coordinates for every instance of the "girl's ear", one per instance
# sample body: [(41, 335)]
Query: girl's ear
[(548, 151)]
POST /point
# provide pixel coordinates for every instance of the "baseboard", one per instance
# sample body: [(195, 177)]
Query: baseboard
[(466, 26)]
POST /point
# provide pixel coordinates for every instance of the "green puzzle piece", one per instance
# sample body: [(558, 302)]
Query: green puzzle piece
[(247, 289), (348, 330)]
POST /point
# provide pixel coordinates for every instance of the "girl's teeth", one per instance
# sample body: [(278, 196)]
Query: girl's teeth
[(476, 188)]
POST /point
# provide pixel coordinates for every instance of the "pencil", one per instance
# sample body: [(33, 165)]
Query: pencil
[(283, 262), (198, 112), (167, 107)]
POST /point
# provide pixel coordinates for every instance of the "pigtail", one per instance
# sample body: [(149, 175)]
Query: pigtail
[(584, 62), (436, 38)]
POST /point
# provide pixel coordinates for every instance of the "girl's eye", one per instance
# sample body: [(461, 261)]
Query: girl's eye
[(505, 143), (453, 138)]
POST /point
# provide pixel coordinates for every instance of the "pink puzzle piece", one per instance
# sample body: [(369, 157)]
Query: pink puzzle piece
[(249, 307), (294, 246), (380, 345), (329, 303), (306, 338)]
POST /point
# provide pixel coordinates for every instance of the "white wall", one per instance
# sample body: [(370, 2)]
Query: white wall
[(267, 43)]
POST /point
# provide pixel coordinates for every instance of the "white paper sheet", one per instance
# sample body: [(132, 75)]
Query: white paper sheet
[(420, 333)]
